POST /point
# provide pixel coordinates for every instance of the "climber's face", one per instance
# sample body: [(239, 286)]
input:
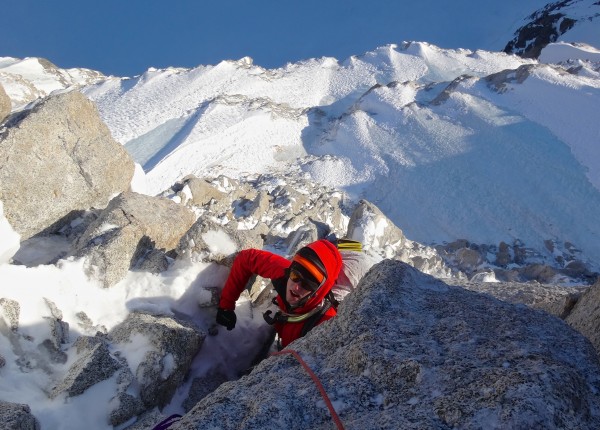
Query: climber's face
[(297, 289)]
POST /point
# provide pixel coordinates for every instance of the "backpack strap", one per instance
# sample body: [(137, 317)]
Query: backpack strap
[(315, 318), (331, 298)]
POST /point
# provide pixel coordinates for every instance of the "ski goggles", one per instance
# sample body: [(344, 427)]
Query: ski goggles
[(306, 284)]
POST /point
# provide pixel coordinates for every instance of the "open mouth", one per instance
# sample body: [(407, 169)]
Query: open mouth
[(294, 294)]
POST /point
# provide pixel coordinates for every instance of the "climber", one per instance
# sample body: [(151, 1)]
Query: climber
[(303, 287)]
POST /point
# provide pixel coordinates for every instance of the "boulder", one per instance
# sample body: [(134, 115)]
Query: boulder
[(467, 259), (585, 316), (5, 104), (214, 194), (208, 240), (59, 329), (409, 351), (93, 365), (373, 229), (286, 197), (163, 221), (130, 227), (164, 349), (503, 257), (302, 237), (73, 164), (538, 272), (201, 387), (201, 192), (15, 416)]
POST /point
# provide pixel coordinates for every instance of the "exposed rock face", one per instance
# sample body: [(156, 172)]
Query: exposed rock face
[(585, 316), (130, 227), (72, 164), (5, 104), (545, 26), (14, 416), (408, 351), (9, 314)]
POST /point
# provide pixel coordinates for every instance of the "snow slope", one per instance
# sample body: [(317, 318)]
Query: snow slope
[(449, 143)]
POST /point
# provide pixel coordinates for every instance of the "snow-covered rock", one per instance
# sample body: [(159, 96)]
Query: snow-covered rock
[(158, 351), (129, 228), (549, 23), (17, 417), (29, 79)]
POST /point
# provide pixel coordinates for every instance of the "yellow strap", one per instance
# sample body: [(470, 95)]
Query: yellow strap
[(349, 245)]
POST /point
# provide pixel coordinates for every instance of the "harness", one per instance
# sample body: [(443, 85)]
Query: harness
[(312, 317)]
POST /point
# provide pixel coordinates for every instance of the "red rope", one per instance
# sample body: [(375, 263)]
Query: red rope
[(317, 382)]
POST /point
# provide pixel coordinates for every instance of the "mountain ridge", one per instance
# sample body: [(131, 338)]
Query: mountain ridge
[(170, 117)]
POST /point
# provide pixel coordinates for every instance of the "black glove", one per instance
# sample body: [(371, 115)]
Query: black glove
[(226, 318)]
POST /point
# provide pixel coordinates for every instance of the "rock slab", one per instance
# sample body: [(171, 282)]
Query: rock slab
[(408, 351), (56, 160)]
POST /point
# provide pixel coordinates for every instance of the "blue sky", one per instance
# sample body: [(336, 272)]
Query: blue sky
[(126, 37)]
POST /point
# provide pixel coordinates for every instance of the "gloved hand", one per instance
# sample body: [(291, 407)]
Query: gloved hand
[(226, 318)]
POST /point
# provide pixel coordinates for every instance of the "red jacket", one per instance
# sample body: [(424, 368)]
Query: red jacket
[(268, 265)]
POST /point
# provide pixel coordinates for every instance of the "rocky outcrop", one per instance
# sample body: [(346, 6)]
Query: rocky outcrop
[(209, 241), (72, 164), (5, 104), (93, 365), (199, 192), (380, 235), (148, 356), (162, 349), (257, 212), (585, 316), (545, 26), (373, 229), (408, 351), (14, 416), (126, 233), (514, 263)]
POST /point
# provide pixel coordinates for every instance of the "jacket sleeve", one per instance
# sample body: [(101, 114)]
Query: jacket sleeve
[(247, 263)]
